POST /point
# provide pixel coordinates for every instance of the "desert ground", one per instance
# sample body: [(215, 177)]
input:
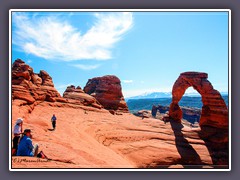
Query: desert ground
[(87, 137)]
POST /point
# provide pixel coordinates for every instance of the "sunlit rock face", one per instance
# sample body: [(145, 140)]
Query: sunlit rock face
[(30, 86), (108, 92), (214, 116)]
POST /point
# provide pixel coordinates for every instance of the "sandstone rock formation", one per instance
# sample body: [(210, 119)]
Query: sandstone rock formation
[(190, 114), (78, 96), (143, 114), (154, 110), (108, 92), (31, 87), (214, 116)]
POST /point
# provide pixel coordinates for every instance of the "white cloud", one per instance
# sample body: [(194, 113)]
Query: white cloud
[(85, 67), (54, 38), (127, 81)]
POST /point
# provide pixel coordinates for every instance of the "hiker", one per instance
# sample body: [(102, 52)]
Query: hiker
[(25, 147), (54, 121), (17, 131)]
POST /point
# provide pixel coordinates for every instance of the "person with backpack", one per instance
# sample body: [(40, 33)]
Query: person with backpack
[(26, 147), (54, 119), (17, 131)]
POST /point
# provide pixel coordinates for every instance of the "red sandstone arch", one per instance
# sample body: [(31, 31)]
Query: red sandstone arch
[(214, 110)]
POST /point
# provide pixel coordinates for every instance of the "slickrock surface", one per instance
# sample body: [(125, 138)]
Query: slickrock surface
[(87, 137)]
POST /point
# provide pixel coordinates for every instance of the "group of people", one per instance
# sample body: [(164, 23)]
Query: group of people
[(22, 141)]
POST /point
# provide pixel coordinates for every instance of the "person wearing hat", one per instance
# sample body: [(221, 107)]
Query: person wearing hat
[(25, 147), (17, 131)]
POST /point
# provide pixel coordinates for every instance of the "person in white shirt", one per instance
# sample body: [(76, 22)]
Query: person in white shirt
[(17, 131)]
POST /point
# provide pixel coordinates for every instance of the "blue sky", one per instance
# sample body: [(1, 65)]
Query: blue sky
[(146, 50)]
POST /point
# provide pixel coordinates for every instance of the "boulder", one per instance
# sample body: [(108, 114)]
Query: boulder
[(108, 92), (143, 114)]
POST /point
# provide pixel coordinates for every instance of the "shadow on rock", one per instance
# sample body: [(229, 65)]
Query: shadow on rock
[(189, 157), (216, 141)]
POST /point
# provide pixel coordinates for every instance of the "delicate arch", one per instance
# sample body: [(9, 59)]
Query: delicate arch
[(214, 110)]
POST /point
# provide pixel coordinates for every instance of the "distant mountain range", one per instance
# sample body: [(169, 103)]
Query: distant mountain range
[(152, 95)]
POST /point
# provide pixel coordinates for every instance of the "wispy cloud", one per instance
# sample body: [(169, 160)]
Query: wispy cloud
[(85, 67), (127, 81), (54, 38)]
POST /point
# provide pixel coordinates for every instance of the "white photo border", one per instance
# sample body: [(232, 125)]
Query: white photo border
[(115, 10)]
